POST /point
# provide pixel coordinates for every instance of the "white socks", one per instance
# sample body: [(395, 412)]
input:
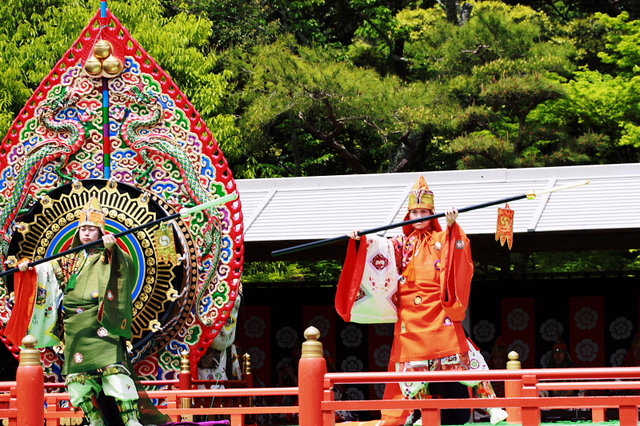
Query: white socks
[(497, 415)]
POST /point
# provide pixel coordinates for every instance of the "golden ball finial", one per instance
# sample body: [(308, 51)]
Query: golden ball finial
[(93, 66), (30, 355), (102, 49), (29, 341), (112, 65), (312, 333), (312, 348)]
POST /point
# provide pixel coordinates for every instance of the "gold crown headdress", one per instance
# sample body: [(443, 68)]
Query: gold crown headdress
[(420, 196), (92, 215)]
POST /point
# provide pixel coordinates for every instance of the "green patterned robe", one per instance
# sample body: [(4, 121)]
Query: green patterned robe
[(98, 309)]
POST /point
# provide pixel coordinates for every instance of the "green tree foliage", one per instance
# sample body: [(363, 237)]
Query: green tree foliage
[(316, 115), (601, 109), (479, 89), (568, 10), (303, 271), (327, 86), (592, 261), (498, 67), (587, 35), (253, 22), (623, 44), (234, 22)]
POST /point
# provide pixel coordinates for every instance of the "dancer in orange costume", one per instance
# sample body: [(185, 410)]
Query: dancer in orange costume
[(435, 271)]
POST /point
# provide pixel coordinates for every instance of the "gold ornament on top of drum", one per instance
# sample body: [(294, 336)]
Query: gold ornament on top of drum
[(102, 49), (112, 65), (93, 66)]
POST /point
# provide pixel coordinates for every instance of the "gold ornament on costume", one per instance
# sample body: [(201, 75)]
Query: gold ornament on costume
[(504, 228), (92, 215), (165, 245), (103, 62), (420, 196)]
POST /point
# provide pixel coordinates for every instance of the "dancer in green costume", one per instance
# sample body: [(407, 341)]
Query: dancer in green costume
[(97, 285)]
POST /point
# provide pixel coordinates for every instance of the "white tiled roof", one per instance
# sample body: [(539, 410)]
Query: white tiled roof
[(314, 208)]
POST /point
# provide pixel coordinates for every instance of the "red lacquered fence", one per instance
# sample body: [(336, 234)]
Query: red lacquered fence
[(19, 401)]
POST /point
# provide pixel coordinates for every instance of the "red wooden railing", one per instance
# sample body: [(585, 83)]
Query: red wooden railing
[(316, 397), (530, 402)]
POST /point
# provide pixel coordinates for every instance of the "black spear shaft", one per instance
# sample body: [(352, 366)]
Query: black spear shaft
[(319, 243)]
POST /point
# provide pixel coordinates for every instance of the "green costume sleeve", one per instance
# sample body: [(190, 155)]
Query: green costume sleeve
[(115, 313)]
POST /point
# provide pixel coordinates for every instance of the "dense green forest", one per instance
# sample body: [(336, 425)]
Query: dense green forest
[(322, 87)]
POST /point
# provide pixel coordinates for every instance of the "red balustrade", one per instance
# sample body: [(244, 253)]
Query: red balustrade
[(317, 406)]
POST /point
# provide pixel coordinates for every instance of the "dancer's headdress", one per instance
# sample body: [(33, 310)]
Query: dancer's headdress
[(92, 215), (420, 196)]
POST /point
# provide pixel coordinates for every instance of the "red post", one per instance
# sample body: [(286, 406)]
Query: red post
[(431, 416), (13, 421), (311, 371), (598, 415), (184, 383), (328, 417), (530, 415), (184, 377), (30, 385), (628, 415), (513, 389)]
